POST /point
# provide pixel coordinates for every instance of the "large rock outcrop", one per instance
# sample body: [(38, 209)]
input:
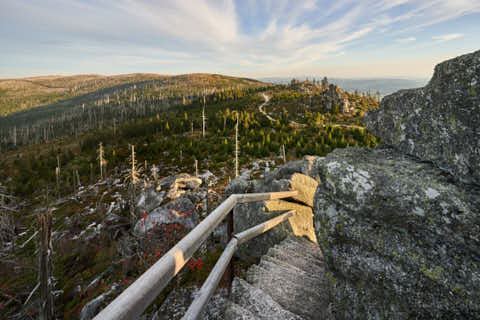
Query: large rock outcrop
[(440, 122), (399, 238), (399, 225), (334, 97)]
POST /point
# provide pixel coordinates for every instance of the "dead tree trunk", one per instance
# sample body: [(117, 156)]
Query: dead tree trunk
[(236, 148), (58, 163), (155, 177), (101, 159), (203, 120), (134, 171), (79, 183), (57, 175), (46, 298)]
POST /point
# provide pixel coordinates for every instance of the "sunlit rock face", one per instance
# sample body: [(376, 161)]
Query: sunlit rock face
[(399, 224), (399, 239), (440, 122), (294, 175)]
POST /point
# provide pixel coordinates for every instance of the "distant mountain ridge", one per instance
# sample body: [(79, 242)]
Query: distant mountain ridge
[(20, 94), (384, 85)]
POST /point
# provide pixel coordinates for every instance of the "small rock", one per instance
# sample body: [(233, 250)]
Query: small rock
[(148, 200), (181, 211), (208, 178)]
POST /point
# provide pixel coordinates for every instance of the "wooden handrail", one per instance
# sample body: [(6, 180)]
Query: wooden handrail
[(131, 303), (198, 305)]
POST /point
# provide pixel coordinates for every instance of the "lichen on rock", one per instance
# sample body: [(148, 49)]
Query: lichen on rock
[(399, 238), (399, 224), (439, 122)]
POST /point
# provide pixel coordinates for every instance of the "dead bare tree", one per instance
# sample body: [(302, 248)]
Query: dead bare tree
[(101, 159), (134, 174), (155, 176), (57, 174), (58, 163), (46, 298), (236, 148), (203, 117), (79, 183), (132, 186)]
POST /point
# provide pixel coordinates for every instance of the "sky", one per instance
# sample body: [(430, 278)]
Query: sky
[(251, 38)]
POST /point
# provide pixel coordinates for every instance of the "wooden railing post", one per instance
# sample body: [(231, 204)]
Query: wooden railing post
[(230, 269)]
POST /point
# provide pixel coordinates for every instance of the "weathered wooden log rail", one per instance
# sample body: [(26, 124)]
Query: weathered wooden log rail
[(133, 301)]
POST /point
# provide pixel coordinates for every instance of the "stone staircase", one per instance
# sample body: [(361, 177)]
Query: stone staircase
[(288, 283)]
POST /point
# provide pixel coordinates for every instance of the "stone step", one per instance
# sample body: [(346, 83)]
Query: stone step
[(302, 266), (290, 271), (294, 292), (302, 245), (293, 274), (236, 312), (302, 254), (298, 254), (304, 242), (314, 253), (298, 258), (258, 302)]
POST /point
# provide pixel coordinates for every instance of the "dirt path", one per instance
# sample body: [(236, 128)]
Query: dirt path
[(260, 107)]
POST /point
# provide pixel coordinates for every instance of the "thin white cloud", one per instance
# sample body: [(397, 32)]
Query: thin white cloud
[(448, 37), (406, 40), (287, 33)]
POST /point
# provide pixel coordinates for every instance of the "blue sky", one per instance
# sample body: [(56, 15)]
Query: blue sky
[(254, 38)]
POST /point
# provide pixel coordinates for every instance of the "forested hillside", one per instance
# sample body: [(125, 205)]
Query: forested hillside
[(113, 105), (23, 94), (298, 120), (27, 93)]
